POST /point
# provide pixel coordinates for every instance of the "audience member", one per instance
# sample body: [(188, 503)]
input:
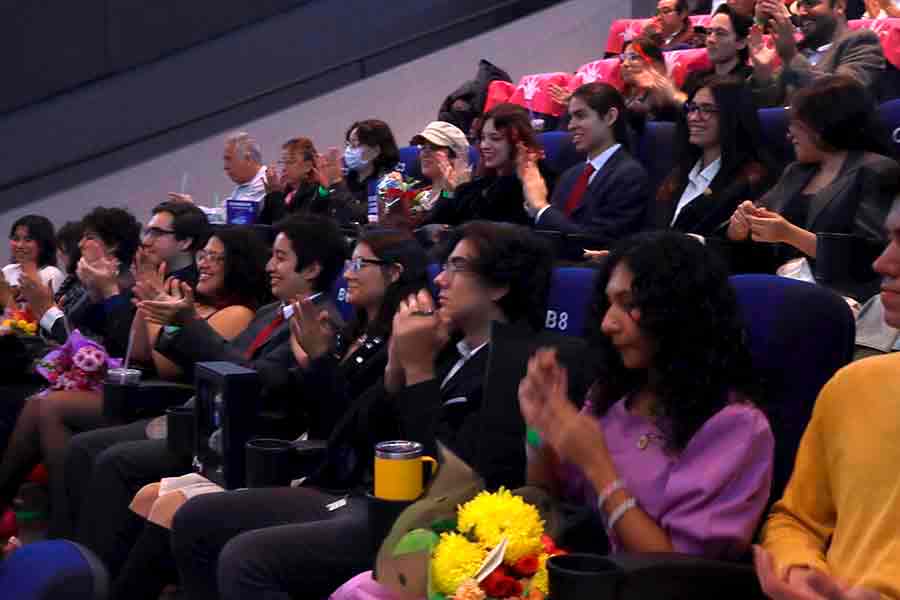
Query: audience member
[(297, 187), (828, 47), (307, 257), (386, 267), (243, 165), (726, 46), (842, 182), (463, 106), (648, 90), (605, 198), (67, 256), (32, 245), (881, 9), (673, 26), (720, 161), (370, 153), (658, 472), (834, 533), (444, 161), (175, 233), (496, 193), (280, 542)]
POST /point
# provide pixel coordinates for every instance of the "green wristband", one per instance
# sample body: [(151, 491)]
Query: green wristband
[(533, 438)]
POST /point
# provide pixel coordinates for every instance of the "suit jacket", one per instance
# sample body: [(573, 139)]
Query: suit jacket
[(857, 202), (711, 211), (307, 200), (613, 206), (854, 53)]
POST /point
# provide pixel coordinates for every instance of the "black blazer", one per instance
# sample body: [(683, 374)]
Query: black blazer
[(857, 202), (613, 206), (307, 200), (710, 212)]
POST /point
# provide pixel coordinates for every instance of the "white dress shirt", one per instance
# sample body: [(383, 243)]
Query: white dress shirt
[(252, 191), (597, 162), (465, 353), (698, 183)]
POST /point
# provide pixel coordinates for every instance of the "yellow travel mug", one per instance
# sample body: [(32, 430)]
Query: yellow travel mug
[(400, 470)]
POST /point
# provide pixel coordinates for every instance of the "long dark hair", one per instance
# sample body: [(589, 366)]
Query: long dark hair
[(246, 282), (514, 123), (740, 137), (40, 229), (397, 247), (844, 115), (689, 311)]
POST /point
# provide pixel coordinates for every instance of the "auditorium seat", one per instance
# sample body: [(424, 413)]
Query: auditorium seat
[(890, 115), (533, 93), (655, 148), (679, 63), (774, 123), (498, 92), (888, 31), (339, 297), (571, 292), (53, 570), (624, 30), (559, 151), (607, 70)]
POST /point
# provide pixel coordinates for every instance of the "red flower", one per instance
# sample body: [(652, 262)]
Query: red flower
[(526, 566), (500, 585)]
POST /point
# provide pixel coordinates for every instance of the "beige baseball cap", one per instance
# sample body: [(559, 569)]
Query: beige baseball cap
[(441, 133)]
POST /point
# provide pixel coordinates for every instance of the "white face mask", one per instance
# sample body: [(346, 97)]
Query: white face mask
[(353, 159)]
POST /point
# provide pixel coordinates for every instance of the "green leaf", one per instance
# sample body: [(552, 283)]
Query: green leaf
[(444, 525), (417, 540)]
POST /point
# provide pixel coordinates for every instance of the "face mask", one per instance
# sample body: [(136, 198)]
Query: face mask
[(353, 159)]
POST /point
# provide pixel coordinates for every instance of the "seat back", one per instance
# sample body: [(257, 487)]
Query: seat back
[(339, 297), (888, 32), (680, 63), (774, 124), (655, 150), (890, 115), (571, 291), (559, 151), (409, 159), (53, 570), (498, 92), (533, 92), (799, 334), (607, 70)]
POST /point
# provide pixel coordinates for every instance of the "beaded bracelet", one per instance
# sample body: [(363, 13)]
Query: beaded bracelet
[(619, 512), (608, 491)]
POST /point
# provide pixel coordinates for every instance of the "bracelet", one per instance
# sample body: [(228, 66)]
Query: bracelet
[(608, 491), (620, 510)]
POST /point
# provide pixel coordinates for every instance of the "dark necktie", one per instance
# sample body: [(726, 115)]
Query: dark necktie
[(578, 190), (263, 336)]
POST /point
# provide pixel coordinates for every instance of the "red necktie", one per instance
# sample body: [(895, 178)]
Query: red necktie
[(578, 189), (263, 336)]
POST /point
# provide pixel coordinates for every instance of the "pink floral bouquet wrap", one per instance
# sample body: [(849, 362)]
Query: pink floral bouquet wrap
[(79, 364)]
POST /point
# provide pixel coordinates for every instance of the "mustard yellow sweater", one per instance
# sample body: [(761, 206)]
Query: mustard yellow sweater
[(841, 510)]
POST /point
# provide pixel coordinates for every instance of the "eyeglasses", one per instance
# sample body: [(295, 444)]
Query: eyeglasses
[(213, 257), (703, 111), (457, 264), (156, 232), (355, 265)]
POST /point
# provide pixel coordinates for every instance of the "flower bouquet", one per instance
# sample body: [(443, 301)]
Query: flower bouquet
[(396, 197), (19, 322), (79, 364)]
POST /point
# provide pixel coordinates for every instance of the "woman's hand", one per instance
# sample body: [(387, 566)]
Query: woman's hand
[(273, 181), (419, 333), (762, 57), (739, 223), (662, 90), (311, 329), (329, 168), (149, 279), (38, 295), (7, 297), (534, 188), (100, 277), (453, 174), (768, 226), (175, 306), (559, 94)]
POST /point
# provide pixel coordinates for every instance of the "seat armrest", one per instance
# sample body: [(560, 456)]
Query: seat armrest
[(673, 576), (124, 403)]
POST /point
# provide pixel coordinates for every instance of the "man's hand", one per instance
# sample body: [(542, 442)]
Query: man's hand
[(762, 57), (559, 94), (420, 334), (311, 329), (273, 181), (534, 188), (329, 168)]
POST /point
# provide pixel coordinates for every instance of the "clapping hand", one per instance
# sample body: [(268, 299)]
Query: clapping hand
[(174, 306), (329, 168), (739, 223), (419, 333), (273, 182), (150, 282), (312, 333), (534, 187), (38, 295), (768, 226), (453, 174), (100, 277), (762, 57), (544, 401)]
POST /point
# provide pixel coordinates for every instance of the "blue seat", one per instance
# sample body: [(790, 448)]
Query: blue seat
[(559, 151), (339, 297), (571, 292), (53, 570), (890, 115), (655, 150), (409, 159), (774, 124)]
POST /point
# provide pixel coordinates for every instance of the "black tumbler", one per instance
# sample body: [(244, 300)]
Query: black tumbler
[(583, 577), (180, 431)]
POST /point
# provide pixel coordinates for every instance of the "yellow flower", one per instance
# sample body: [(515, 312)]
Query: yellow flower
[(455, 559), (7, 323), (21, 323), (493, 516), (540, 577), (31, 328)]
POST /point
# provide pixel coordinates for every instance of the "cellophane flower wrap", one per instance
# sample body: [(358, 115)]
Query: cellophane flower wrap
[(466, 562), (79, 364)]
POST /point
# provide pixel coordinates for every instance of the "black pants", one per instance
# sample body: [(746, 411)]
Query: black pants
[(121, 469), (270, 543)]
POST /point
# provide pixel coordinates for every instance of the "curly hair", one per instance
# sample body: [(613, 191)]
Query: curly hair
[(40, 229), (689, 311), (246, 282), (397, 247), (510, 256), (118, 229), (514, 123)]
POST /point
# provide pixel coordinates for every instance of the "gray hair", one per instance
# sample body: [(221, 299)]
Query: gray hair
[(245, 146)]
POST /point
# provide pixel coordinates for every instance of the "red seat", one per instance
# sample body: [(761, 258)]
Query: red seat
[(533, 92), (888, 31), (499, 92), (607, 70), (681, 62), (623, 30)]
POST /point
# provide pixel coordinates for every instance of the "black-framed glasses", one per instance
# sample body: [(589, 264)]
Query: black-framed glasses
[(355, 265), (457, 264), (213, 257), (704, 111), (156, 232)]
